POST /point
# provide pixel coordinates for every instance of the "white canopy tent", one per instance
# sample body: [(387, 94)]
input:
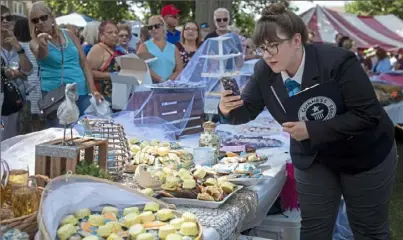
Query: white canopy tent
[(75, 19)]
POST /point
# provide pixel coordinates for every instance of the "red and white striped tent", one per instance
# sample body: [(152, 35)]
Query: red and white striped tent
[(385, 31)]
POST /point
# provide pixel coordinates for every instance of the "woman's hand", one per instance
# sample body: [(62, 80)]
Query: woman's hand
[(297, 130), (12, 40), (98, 96), (43, 38), (229, 102), (12, 74)]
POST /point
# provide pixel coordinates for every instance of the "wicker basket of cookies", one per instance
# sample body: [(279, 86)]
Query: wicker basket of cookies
[(101, 209)]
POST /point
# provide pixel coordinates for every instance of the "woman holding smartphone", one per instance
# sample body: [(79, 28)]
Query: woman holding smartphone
[(351, 154)]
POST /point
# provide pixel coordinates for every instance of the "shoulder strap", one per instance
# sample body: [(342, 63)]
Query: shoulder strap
[(62, 52)]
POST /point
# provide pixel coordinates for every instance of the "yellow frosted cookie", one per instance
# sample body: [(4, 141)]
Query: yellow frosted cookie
[(177, 223), (189, 217), (115, 226), (109, 209), (131, 219), (171, 182), (136, 230), (165, 230), (189, 184), (104, 231), (200, 173), (189, 229), (96, 220), (114, 236), (66, 231), (210, 182), (82, 213), (145, 236), (92, 237), (174, 236), (147, 191), (165, 214), (152, 206), (69, 219), (227, 187), (129, 210), (147, 217)]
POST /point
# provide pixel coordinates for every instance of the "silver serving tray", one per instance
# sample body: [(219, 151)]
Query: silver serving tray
[(199, 203)]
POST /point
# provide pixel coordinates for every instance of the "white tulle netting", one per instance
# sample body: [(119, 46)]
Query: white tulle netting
[(88, 192)]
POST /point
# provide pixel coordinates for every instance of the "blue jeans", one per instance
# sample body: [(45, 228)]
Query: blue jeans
[(83, 103)]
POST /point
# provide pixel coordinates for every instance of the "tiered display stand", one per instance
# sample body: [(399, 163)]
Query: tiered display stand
[(212, 99)]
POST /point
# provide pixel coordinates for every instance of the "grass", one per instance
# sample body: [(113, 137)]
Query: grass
[(396, 204)]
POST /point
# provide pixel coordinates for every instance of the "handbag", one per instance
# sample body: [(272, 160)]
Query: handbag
[(49, 103), (13, 101)]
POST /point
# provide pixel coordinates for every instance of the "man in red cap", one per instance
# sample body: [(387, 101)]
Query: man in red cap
[(171, 17)]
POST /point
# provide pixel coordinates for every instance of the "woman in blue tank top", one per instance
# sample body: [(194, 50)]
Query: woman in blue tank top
[(169, 62), (52, 46)]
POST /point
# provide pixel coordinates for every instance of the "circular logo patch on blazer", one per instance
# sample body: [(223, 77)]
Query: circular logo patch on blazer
[(317, 109)]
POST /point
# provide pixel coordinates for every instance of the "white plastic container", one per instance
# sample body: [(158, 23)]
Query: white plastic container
[(280, 227)]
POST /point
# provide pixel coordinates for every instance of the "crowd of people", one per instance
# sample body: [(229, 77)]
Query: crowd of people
[(46, 56), (42, 51)]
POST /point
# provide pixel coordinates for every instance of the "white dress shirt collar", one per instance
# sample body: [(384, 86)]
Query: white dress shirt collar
[(298, 74)]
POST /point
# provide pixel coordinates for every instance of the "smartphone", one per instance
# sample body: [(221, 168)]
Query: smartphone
[(230, 84)]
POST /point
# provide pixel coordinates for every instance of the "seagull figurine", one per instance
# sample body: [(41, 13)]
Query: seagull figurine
[(68, 112)]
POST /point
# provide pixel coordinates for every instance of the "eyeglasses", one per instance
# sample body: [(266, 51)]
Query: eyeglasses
[(43, 18), (272, 48), (221, 19), (155, 26), (9, 18), (191, 29)]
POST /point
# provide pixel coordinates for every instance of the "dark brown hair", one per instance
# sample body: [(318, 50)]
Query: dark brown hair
[(381, 53), (104, 24), (144, 32), (21, 30), (4, 9), (125, 27), (277, 19), (198, 39)]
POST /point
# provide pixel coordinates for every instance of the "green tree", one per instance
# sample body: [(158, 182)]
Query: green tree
[(97, 9), (376, 7), (244, 12)]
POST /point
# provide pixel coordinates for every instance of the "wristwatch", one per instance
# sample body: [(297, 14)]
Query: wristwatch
[(21, 51)]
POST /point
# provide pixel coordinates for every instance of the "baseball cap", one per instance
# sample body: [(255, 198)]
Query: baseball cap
[(169, 9)]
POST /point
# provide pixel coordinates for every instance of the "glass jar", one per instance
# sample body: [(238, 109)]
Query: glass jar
[(209, 138)]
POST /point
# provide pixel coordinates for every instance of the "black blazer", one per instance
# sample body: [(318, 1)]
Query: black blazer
[(352, 142)]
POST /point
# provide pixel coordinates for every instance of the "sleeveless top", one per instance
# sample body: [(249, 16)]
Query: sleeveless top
[(165, 64), (51, 67)]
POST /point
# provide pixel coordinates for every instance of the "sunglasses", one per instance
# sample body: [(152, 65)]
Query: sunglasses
[(221, 19), (155, 26), (43, 18), (9, 18)]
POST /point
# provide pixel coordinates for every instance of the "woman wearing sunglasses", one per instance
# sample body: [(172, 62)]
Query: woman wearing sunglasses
[(169, 62), (59, 53), (350, 152), (15, 67)]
